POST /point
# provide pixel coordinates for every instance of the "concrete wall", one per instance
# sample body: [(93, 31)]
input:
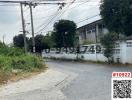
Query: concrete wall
[(128, 51), (87, 57), (122, 53)]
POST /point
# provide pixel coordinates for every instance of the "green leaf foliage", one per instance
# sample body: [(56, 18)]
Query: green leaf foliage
[(108, 42), (117, 15), (64, 33), (41, 42), (15, 58), (18, 40)]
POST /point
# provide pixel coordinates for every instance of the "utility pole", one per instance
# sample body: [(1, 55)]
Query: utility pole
[(32, 27), (23, 27), (96, 39), (3, 38)]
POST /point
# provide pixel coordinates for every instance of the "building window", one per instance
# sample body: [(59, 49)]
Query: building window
[(129, 44), (117, 45), (89, 32), (93, 30), (90, 29), (116, 51)]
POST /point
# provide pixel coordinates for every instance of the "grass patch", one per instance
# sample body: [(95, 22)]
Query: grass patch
[(14, 63)]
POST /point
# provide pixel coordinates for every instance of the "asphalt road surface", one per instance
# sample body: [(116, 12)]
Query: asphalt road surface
[(66, 81), (93, 81)]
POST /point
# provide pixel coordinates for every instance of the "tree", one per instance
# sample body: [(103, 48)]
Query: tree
[(117, 15), (64, 33), (39, 46), (41, 42), (18, 41), (48, 41), (108, 42), (2, 45)]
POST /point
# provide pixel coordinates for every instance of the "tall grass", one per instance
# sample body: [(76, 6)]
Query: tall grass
[(24, 62), (15, 59)]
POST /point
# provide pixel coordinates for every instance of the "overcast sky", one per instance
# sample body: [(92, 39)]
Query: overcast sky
[(45, 16)]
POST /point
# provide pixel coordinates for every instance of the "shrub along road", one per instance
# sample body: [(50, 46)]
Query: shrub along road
[(65, 81)]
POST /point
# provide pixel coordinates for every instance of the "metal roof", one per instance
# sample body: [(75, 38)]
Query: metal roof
[(89, 21)]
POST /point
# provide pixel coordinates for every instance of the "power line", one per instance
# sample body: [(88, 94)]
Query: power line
[(64, 12), (88, 18), (83, 2), (26, 2), (52, 8), (54, 15), (44, 17), (53, 18), (72, 7), (46, 24), (87, 9), (38, 19), (77, 22), (3, 5), (35, 4), (26, 9)]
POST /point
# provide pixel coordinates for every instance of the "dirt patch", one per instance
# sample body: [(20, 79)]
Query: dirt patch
[(6, 78)]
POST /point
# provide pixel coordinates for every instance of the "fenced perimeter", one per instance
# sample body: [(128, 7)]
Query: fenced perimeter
[(93, 52)]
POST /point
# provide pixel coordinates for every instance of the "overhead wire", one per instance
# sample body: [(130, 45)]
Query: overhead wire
[(88, 18), (67, 9), (52, 19), (53, 14), (37, 11), (46, 24), (80, 4), (3, 5), (64, 12), (83, 2)]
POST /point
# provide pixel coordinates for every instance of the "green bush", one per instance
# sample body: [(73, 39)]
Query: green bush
[(15, 58), (15, 52), (5, 63), (27, 62), (6, 51), (108, 41), (24, 62)]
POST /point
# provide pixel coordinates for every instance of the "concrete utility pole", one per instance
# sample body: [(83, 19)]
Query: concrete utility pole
[(32, 27), (3, 38), (23, 27)]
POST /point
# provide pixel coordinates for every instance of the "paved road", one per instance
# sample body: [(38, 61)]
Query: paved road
[(93, 81), (65, 81)]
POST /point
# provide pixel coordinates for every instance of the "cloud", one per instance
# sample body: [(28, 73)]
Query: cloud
[(9, 22), (44, 16)]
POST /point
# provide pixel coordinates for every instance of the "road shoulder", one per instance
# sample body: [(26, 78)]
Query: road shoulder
[(47, 81)]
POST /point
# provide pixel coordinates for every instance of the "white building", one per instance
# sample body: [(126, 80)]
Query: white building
[(122, 53), (92, 31)]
